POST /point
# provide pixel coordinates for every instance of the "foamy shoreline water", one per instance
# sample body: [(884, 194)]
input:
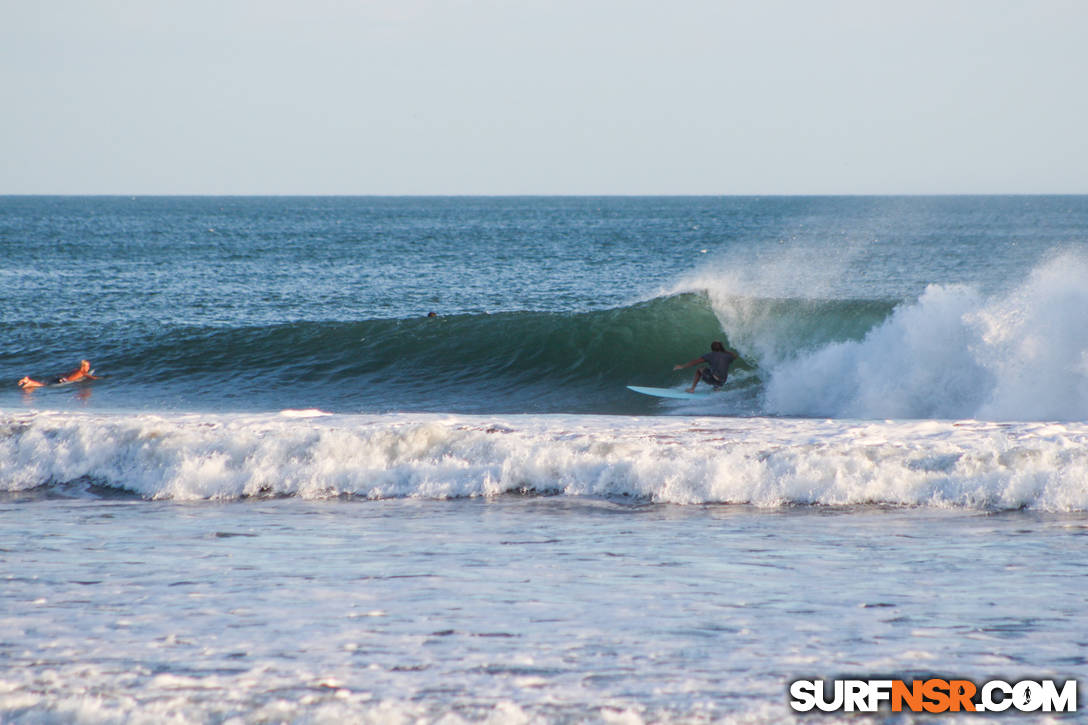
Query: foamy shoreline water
[(512, 609), (676, 459)]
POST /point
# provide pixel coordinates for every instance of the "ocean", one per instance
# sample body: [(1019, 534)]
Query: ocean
[(374, 459)]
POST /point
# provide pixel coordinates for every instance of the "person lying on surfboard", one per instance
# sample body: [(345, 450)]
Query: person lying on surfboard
[(714, 374), (83, 372)]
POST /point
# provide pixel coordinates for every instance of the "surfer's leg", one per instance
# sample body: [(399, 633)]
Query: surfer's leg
[(27, 384), (698, 374)]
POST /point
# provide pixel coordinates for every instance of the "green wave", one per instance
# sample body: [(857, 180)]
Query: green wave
[(503, 362)]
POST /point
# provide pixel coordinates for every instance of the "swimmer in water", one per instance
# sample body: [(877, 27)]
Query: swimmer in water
[(83, 372)]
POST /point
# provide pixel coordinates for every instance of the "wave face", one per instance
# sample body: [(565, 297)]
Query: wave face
[(952, 353), (504, 362), (758, 461)]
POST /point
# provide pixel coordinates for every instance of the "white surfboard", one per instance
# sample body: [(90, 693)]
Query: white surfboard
[(669, 393)]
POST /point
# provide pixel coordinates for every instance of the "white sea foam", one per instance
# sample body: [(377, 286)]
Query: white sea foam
[(337, 707), (307, 413), (760, 461), (953, 353)]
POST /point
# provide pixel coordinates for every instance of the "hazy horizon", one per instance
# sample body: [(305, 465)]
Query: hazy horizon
[(421, 98)]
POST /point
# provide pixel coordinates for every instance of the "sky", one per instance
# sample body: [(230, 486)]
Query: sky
[(531, 97)]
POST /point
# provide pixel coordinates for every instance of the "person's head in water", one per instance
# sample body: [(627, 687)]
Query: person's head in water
[(85, 365), (717, 346)]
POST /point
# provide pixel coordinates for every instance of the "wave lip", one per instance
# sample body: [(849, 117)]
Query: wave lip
[(761, 462)]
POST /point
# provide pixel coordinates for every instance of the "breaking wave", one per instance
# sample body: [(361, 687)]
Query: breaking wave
[(764, 462), (951, 353)]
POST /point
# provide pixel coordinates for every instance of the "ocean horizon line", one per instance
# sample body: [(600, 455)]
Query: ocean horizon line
[(775, 195)]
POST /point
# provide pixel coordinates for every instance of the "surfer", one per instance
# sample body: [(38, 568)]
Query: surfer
[(83, 372), (714, 374)]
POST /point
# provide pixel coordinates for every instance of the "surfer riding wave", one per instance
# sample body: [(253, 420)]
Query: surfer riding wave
[(716, 372)]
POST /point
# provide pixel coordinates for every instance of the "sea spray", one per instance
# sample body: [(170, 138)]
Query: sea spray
[(954, 352), (917, 364), (1035, 341)]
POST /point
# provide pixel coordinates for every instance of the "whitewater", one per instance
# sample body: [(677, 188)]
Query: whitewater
[(1020, 353), (297, 496), (680, 460)]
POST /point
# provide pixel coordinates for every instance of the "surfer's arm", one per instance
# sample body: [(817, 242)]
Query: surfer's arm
[(689, 363)]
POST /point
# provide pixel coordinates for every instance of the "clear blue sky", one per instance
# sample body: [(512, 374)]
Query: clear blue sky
[(534, 97)]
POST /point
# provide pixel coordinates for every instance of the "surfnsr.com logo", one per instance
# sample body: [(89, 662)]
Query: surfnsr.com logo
[(933, 696)]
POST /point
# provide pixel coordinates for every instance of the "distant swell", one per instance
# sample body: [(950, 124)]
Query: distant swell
[(757, 461)]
